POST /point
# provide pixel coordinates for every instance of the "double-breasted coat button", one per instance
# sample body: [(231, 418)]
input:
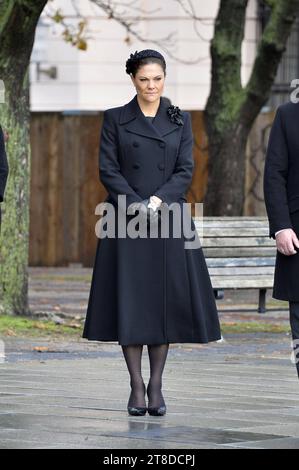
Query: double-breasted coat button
[(162, 144), (161, 166), (136, 165), (135, 144)]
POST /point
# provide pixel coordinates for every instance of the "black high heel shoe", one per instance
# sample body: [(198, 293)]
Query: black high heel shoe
[(156, 410), (137, 410)]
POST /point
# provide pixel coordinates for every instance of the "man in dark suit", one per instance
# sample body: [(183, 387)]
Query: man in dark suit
[(3, 168), (281, 191)]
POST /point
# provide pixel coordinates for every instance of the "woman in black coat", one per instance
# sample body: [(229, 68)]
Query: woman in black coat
[(148, 290)]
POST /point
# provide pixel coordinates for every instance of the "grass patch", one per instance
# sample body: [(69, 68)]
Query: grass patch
[(254, 327), (29, 327), (61, 278)]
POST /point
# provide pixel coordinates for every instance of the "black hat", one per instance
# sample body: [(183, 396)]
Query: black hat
[(134, 59)]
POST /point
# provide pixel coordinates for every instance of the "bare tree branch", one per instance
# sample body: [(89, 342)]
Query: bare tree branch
[(129, 16), (196, 19)]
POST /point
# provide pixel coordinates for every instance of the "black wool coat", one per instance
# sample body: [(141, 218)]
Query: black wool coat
[(281, 192), (148, 290), (3, 168)]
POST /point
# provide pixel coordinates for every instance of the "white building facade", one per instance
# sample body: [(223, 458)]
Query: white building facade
[(64, 78)]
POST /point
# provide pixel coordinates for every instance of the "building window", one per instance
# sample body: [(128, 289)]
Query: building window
[(289, 66)]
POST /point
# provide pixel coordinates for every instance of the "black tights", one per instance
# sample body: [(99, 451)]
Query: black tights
[(157, 357)]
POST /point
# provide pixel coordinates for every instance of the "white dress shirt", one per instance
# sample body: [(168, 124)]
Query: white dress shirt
[(280, 231)]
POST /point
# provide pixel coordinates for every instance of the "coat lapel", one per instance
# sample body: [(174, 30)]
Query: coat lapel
[(135, 121)]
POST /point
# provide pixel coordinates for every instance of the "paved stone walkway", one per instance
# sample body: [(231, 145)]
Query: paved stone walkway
[(240, 393)]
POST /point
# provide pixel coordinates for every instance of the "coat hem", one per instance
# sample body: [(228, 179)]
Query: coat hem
[(284, 297), (170, 341)]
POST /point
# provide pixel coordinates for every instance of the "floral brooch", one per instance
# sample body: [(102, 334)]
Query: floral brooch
[(175, 115)]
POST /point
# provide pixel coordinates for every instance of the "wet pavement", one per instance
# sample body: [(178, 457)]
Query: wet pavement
[(238, 393), (241, 392), (236, 347)]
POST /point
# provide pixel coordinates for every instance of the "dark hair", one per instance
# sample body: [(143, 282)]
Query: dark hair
[(147, 56)]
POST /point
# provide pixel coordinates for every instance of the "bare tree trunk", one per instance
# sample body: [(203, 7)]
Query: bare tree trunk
[(18, 20), (231, 109)]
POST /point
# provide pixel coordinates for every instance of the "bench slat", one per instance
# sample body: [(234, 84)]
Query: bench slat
[(224, 220), (237, 242), (235, 232), (230, 223), (219, 282), (242, 271), (259, 261), (236, 252)]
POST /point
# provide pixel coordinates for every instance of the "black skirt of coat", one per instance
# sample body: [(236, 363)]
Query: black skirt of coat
[(149, 290)]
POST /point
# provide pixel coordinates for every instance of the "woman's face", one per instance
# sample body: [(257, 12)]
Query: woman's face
[(149, 82)]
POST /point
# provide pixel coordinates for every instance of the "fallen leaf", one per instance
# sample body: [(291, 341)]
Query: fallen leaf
[(40, 348), (74, 325), (10, 332)]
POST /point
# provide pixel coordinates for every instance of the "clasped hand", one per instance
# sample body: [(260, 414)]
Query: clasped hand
[(148, 208)]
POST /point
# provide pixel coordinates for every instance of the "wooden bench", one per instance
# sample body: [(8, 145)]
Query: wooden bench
[(239, 254)]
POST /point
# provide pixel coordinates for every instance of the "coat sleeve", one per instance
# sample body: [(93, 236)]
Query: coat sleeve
[(3, 166), (180, 180), (109, 167), (275, 178)]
